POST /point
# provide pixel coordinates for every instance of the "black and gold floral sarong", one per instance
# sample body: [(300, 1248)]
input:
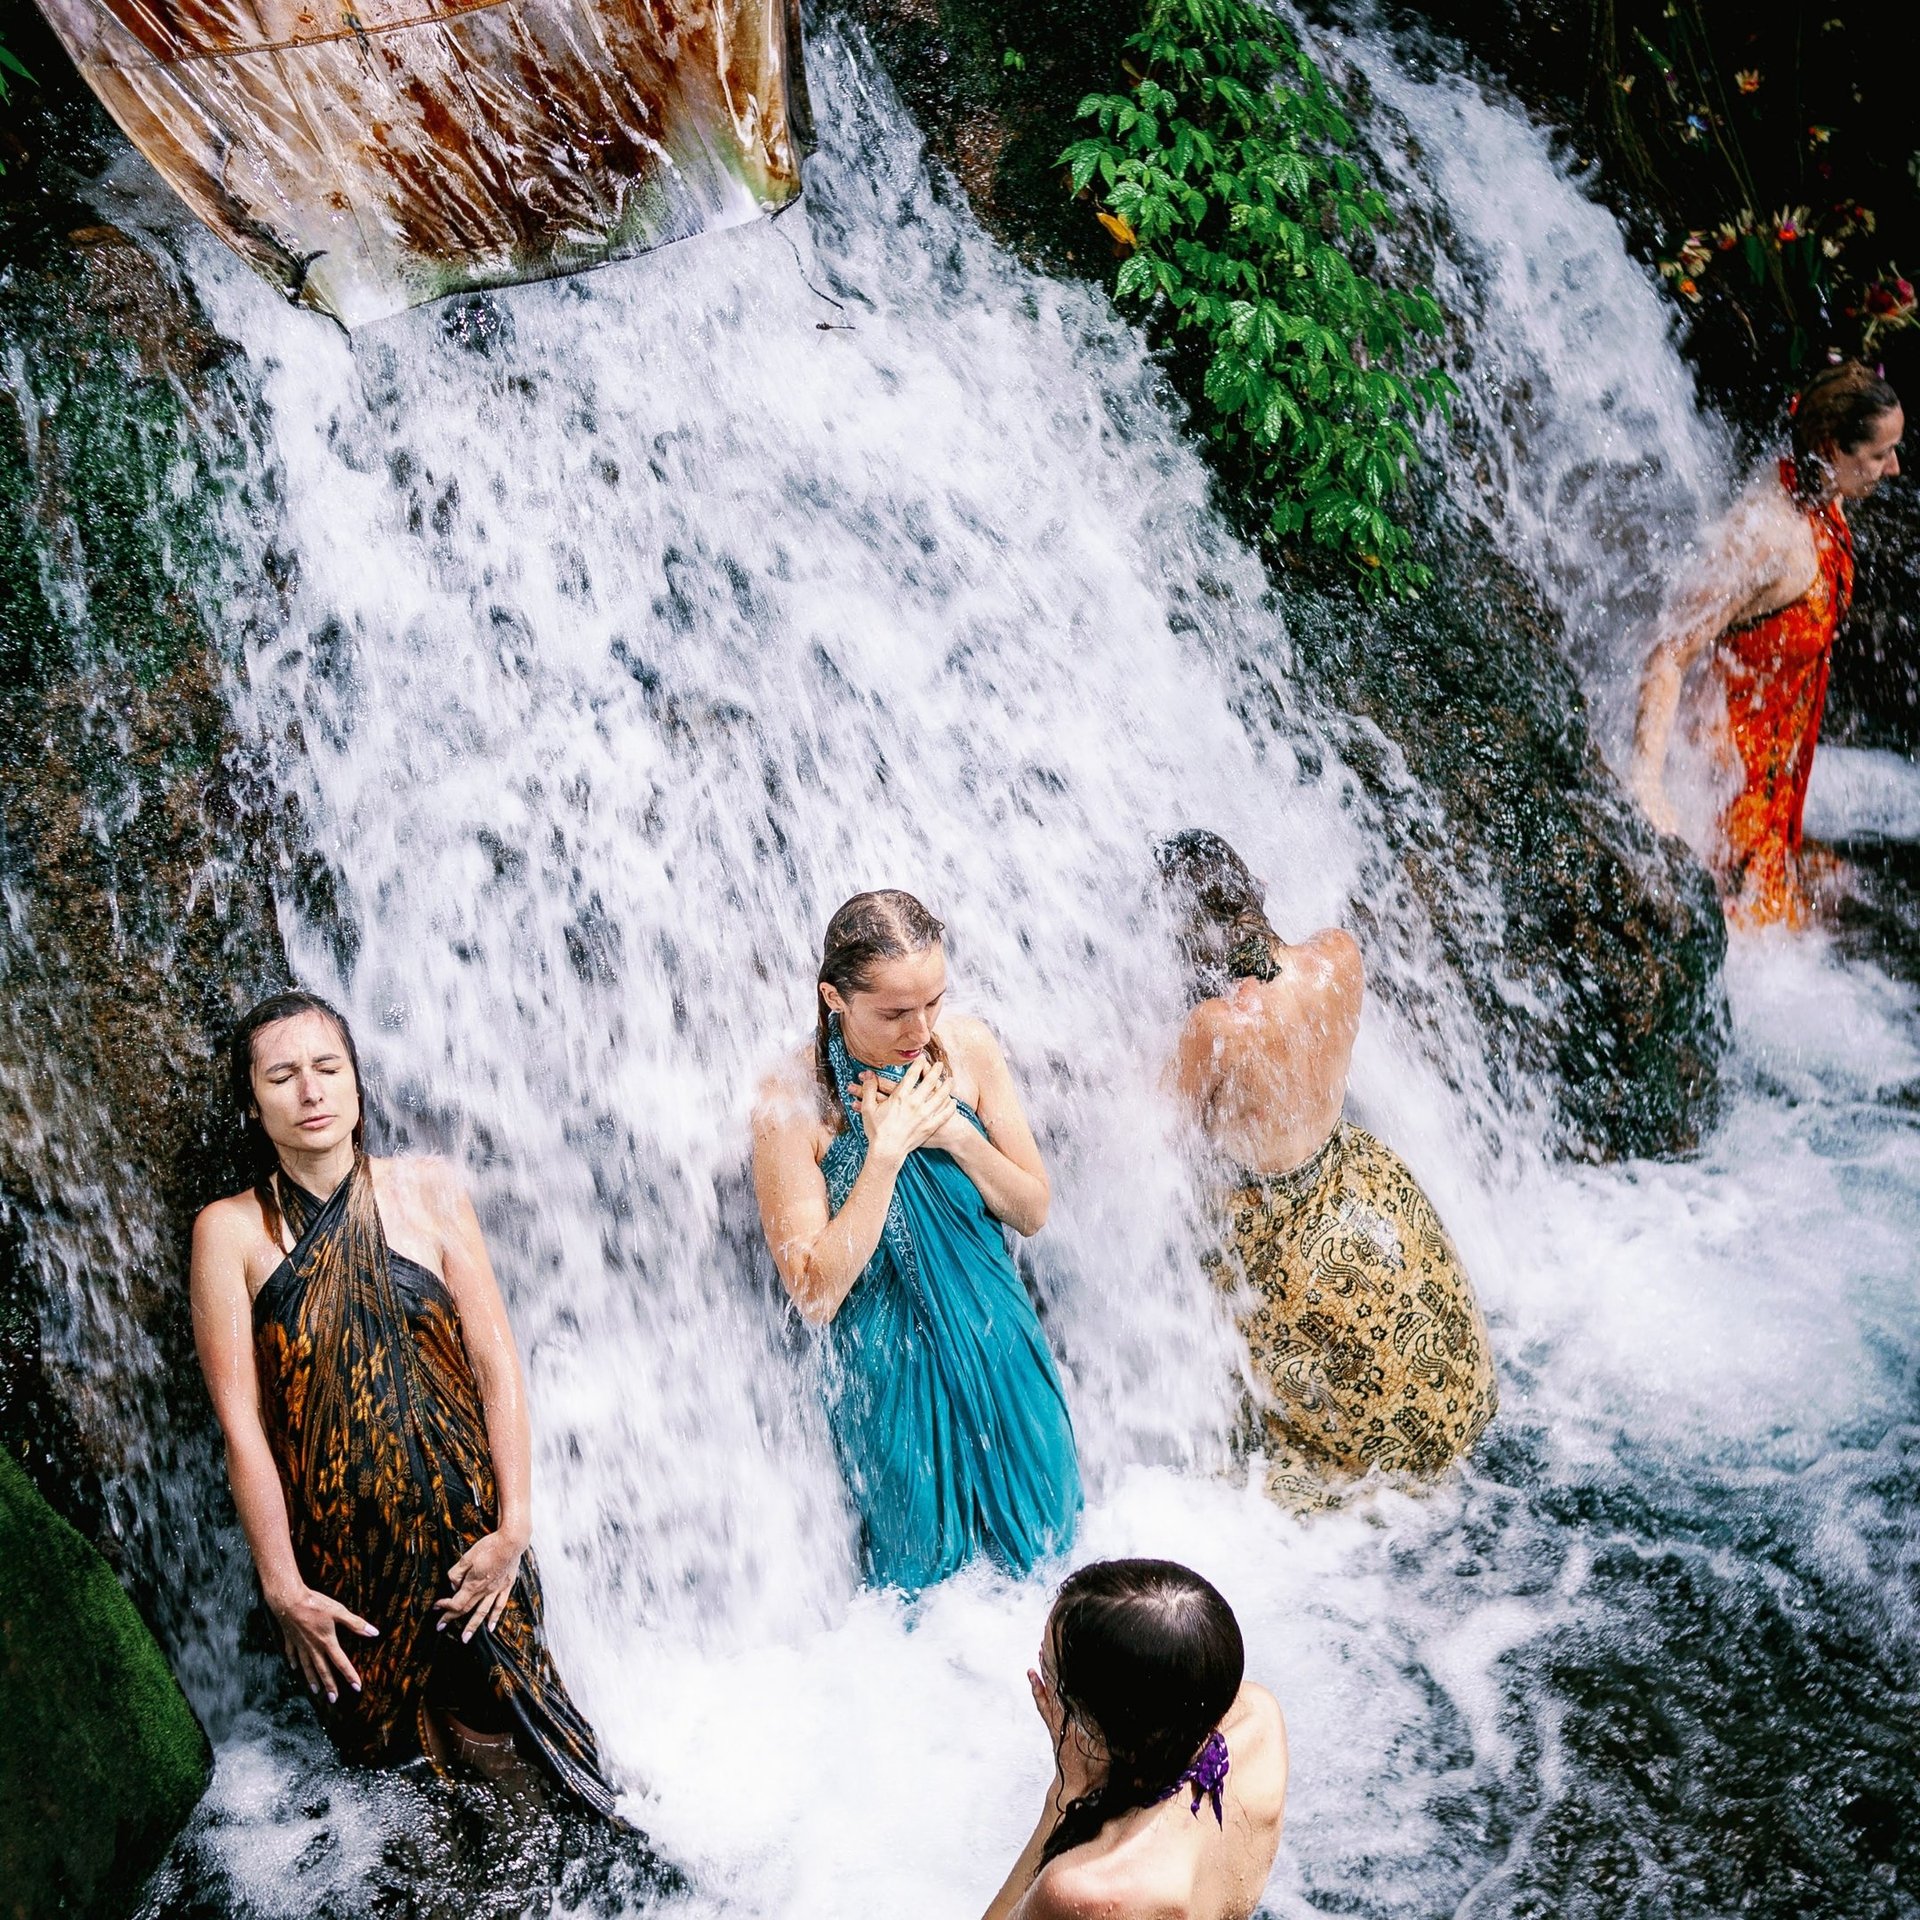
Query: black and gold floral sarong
[(374, 1416), (1369, 1350)]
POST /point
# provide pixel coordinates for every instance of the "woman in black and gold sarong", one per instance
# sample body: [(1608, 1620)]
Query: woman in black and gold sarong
[(360, 1360), (1368, 1347)]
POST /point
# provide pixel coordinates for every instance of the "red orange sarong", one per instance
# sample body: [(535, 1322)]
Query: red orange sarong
[(1774, 671)]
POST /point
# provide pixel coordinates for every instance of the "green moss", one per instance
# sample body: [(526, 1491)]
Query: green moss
[(101, 1758)]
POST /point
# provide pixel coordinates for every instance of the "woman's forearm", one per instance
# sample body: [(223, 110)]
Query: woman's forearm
[(1014, 1196), (262, 1505), (503, 1400), (839, 1254), (1653, 722)]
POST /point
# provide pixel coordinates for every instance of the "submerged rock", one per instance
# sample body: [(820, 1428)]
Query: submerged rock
[(101, 1758), (1603, 967)]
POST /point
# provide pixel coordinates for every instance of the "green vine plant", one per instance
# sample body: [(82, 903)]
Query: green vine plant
[(10, 70), (1226, 176)]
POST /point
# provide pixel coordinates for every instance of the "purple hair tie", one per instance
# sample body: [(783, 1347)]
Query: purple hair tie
[(1206, 1777)]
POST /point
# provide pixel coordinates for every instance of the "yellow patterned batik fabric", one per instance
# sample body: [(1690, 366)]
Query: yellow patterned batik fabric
[(1369, 1351)]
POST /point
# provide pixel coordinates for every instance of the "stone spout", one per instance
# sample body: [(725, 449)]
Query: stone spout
[(366, 155)]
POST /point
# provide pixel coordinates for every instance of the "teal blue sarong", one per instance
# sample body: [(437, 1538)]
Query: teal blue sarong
[(947, 1412)]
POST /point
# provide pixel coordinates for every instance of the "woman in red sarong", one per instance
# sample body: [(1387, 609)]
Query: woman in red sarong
[(1776, 586)]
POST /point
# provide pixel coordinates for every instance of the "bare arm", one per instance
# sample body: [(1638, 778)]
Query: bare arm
[(223, 1337), (1760, 560), (1014, 1890), (820, 1254), (482, 1578), (1005, 1163)]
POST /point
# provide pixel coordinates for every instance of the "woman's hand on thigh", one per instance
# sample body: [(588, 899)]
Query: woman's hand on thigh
[(482, 1581)]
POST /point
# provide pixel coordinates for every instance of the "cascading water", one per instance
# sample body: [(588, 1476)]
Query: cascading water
[(619, 651), (1587, 454)]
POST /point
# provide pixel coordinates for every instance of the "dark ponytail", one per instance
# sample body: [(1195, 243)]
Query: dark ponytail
[(1224, 933), (869, 928), (1147, 1658), (263, 1158)]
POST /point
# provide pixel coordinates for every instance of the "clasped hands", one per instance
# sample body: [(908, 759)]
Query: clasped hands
[(917, 1110)]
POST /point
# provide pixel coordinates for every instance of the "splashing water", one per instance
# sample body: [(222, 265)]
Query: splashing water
[(623, 649)]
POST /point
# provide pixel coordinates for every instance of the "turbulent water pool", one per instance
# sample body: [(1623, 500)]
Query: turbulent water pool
[(683, 599)]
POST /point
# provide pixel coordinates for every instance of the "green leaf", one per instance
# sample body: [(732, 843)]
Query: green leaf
[(1232, 163)]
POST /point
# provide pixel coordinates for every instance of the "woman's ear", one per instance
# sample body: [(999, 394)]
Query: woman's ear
[(831, 995)]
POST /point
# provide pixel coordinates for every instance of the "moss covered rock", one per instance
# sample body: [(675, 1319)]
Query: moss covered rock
[(137, 849), (101, 1759)]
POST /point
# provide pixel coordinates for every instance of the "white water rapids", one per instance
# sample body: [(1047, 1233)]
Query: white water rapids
[(621, 653)]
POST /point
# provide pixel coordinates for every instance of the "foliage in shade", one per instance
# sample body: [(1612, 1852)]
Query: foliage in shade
[(1226, 174), (10, 71)]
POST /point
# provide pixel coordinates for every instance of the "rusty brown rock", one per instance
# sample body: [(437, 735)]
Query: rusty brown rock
[(365, 157)]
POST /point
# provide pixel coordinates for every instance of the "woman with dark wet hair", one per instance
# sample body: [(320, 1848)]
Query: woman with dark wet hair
[(1368, 1347), (1169, 1766), (1764, 606), (889, 1159), (360, 1361)]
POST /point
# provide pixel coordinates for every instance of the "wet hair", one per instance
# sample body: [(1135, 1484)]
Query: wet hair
[(884, 925), (263, 1157), (1840, 407), (1225, 934), (1147, 1656)]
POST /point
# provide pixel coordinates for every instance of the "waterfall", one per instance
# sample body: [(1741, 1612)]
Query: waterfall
[(631, 630)]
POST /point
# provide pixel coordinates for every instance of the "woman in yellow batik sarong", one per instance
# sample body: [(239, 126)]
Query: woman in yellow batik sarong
[(1368, 1348), (360, 1361)]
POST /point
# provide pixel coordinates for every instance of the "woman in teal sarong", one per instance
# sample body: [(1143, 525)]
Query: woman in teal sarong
[(888, 1160)]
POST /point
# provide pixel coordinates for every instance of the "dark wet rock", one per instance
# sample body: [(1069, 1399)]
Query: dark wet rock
[(101, 1758), (134, 862), (998, 124), (1612, 936), (477, 322), (1874, 700), (1604, 970), (370, 1847)]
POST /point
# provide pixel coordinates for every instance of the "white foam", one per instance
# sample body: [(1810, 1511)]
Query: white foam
[(1861, 793)]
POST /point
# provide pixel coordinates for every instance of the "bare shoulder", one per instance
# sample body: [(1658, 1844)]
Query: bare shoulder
[(1761, 537), (1256, 1735), (1341, 953), (788, 1093), (971, 1042), (227, 1226), (1206, 1022), (1096, 1883), (421, 1179)]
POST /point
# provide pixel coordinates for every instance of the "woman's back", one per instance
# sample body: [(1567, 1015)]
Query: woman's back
[(1171, 1861), (1264, 1066)]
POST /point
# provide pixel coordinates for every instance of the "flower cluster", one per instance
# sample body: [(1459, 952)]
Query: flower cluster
[(1888, 305), (1807, 242), (1735, 113)]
